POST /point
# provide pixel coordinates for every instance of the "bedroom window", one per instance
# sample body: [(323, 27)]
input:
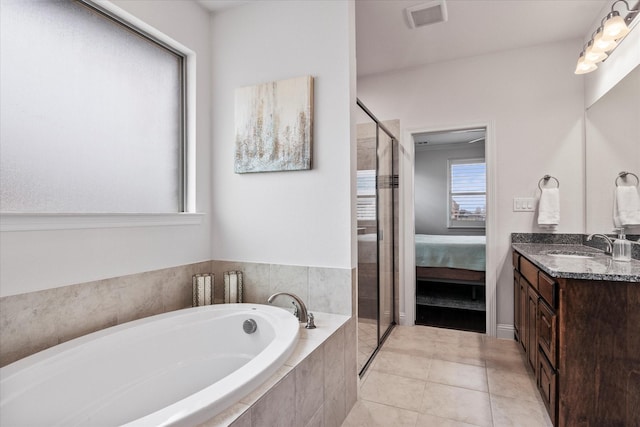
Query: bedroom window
[(93, 113), (467, 198)]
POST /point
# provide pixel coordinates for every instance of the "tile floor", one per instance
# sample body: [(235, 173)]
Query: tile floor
[(367, 340), (425, 376)]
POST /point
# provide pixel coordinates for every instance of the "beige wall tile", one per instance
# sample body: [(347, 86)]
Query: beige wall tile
[(310, 386), (292, 279), (277, 407), (330, 290), (38, 320), (351, 363), (255, 280), (318, 418), (334, 379)]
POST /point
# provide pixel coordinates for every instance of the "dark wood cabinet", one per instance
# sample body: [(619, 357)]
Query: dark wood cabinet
[(582, 341), (532, 323), (547, 330)]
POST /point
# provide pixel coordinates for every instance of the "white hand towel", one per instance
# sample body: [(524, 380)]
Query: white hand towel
[(626, 206), (549, 207)]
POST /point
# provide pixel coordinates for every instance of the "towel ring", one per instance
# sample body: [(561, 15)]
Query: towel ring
[(623, 175), (546, 179)]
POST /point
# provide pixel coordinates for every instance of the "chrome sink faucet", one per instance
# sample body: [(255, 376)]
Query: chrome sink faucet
[(609, 248), (301, 309)]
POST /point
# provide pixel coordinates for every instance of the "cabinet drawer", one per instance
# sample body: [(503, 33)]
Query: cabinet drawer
[(547, 378), (547, 289), (516, 259), (529, 271), (547, 331)]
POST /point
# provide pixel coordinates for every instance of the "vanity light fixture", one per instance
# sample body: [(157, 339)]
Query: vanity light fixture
[(594, 55), (584, 66), (613, 28)]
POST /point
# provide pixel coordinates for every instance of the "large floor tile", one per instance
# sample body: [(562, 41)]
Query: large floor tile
[(458, 374), (393, 390), (456, 403), (416, 346), (405, 365), (371, 414), (510, 384), (455, 352), (509, 412), (428, 420)]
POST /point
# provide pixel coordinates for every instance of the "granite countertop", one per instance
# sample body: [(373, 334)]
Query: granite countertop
[(597, 266)]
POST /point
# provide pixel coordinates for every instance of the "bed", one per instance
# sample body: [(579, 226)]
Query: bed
[(450, 258)]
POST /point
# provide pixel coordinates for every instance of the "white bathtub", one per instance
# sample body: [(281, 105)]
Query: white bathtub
[(177, 368)]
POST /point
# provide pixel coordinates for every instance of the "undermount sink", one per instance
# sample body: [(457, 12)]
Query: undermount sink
[(570, 254)]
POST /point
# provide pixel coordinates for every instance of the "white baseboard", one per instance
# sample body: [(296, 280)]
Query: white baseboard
[(403, 319), (505, 331)]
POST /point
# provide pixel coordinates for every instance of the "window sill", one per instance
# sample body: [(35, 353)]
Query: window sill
[(73, 221)]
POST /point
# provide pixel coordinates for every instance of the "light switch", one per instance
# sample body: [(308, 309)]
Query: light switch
[(523, 204)]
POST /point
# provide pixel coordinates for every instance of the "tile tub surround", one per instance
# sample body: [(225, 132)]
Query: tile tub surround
[(35, 321), (327, 290), (317, 386)]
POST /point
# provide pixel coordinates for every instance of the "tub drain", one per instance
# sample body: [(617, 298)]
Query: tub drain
[(249, 326)]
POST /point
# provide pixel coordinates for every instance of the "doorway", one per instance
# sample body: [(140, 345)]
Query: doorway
[(414, 141), (450, 213)]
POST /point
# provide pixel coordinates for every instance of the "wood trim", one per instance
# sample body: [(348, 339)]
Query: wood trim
[(450, 274)]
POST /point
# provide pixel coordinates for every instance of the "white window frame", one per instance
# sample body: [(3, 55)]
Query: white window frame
[(188, 216), (462, 224)]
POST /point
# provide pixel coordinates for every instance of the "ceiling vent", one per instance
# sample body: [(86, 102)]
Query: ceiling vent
[(426, 14)]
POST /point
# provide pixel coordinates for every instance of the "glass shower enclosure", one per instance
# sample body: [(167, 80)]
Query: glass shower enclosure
[(377, 210)]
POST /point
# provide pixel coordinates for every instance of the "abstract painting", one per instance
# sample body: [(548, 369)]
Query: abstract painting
[(274, 126)]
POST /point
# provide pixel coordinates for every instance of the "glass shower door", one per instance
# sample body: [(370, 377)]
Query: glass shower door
[(377, 234), (385, 220)]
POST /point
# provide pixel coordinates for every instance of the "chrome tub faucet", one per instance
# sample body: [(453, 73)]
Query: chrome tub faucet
[(301, 309)]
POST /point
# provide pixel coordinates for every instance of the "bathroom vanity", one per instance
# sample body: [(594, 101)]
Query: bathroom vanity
[(577, 318)]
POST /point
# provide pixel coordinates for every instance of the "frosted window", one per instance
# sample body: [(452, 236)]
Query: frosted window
[(91, 113)]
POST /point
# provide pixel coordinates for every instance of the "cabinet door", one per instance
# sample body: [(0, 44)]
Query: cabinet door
[(546, 380), (532, 330), (516, 304), (547, 331), (524, 286)]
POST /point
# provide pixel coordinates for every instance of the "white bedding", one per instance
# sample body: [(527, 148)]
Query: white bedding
[(466, 252)]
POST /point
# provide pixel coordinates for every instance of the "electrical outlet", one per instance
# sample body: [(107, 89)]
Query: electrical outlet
[(524, 204)]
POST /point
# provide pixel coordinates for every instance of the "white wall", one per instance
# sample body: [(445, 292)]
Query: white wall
[(535, 104), (296, 218), (36, 260), (431, 172)]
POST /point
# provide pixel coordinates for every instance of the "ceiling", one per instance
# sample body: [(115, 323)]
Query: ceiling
[(384, 41)]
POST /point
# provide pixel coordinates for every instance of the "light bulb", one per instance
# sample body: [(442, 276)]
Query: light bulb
[(593, 55), (600, 43), (584, 66), (614, 27)]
